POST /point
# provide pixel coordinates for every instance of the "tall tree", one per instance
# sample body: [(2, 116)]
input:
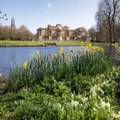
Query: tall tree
[(13, 23), (108, 11)]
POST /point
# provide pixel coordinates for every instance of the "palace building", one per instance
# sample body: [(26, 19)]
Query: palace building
[(59, 32)]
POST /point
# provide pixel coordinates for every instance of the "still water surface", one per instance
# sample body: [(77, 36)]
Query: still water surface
[(12, 56)]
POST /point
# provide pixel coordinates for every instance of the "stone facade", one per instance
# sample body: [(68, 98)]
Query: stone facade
[(60, 33)]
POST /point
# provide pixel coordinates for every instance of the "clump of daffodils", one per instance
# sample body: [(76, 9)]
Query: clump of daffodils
[(25, 65), (97, 49)]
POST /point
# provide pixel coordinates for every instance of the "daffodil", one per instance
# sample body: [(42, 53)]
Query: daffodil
[(81, 43), (89, 45), (25, 65), (97, 49), (118, 49), (0, 75), (101, 50), (62, 51), (87, 48), (37, 53)]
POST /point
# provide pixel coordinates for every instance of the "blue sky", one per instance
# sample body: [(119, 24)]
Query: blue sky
[(40, 13)]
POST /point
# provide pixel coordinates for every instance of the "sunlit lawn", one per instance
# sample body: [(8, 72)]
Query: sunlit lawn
[(43, 43)]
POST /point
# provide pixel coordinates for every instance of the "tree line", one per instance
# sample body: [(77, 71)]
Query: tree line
[(12, 33), (107, 27)]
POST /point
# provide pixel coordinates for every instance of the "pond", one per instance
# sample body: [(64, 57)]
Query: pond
[(13, 56)]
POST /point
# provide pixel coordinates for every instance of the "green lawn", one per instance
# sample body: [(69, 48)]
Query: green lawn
[(20, 43), (41, 43)]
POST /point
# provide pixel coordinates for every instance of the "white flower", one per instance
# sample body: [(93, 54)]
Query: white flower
[(103, 104), (84, 99), (93, 91), (94, 109), (72, 95), (74, 103), (119, 112), (114, 115), (108, 104), (59, 105)]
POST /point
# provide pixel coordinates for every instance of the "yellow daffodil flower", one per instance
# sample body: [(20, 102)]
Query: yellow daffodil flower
[(88, 48), (89, 45), (25, 65), (118, 49), (0, 75), (101, 50), (81, 43), (62, 51), (37, 53)]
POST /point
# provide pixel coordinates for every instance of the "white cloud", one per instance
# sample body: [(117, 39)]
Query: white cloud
[(49, 5)]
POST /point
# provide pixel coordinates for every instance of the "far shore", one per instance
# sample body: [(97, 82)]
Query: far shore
[(41, 43)]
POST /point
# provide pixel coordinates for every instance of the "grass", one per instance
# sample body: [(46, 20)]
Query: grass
[(20, 43), (41, 43), (60, 86)]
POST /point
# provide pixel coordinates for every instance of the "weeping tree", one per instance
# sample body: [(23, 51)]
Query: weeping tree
[(108, 13)]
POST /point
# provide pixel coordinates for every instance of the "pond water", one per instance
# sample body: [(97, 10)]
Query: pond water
[(13, 56)]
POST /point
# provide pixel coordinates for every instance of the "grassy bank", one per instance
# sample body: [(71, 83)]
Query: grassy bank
[(73, 86), (20, 43), (40, 43)]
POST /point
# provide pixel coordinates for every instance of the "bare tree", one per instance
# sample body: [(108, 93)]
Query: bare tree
[(93, 33), (3, 16), (108, 11), (23, 33)]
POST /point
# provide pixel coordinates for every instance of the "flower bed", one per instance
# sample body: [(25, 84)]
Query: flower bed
[(80, 85)]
